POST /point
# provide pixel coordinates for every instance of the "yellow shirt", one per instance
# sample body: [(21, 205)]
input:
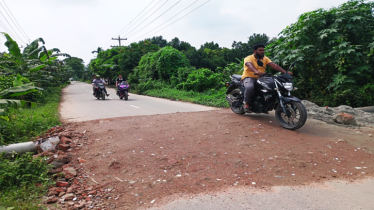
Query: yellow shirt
[(248, 73)]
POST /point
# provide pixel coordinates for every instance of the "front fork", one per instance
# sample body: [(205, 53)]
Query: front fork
[(281, 100)]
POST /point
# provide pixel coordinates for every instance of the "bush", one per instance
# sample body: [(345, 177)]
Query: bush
[(201, 80), (335, 50), (21, 125), (23, 180)]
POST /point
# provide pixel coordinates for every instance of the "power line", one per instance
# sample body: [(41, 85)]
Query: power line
[(135, 17), (158, 16), (148, 17), (11, 27), (9, 32), (20, 30), (133, 20), (173, 17)]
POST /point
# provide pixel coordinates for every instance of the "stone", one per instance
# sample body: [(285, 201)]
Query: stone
[(70, 170), (68, 196), (52, 192), (345, 119), (65, 133), (63, 147), (66, 140), (172, 161), (55, 171), (56, 164), (71, 203), (64, 159), (82, 160), (70, 190), (61, 194), (51, 199), (342, 140), (79, 206), (62, 184)]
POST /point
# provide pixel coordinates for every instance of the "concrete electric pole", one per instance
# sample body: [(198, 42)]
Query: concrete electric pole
[(119, 40)]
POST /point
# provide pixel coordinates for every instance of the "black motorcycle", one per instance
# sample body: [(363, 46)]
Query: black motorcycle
[(100, 91), (271, 93)]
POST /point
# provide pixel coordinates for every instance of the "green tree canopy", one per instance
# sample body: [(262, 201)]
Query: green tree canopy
[(335, 49)]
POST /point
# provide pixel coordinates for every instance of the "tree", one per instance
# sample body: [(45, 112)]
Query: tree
[(335, 48)]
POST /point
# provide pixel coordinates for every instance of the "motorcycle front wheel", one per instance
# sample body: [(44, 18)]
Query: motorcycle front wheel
[(126, 96), (103, 95), (295, 118)]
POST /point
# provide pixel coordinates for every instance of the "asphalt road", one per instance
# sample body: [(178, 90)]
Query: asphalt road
[(78, 104)]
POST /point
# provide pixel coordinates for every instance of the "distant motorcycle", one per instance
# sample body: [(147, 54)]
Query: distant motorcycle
[(100, 91), (123, 90), (271, 93)]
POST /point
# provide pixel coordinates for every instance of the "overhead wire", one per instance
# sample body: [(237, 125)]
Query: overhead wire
[(19, 28), (3, 25), (157, 17), (172, 18), (133, 20), (12, 28), (148, 17)]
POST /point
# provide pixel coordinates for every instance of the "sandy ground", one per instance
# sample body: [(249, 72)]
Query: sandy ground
[(147, 161)]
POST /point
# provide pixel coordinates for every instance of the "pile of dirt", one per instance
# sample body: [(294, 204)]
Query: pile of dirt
[(327, 114)]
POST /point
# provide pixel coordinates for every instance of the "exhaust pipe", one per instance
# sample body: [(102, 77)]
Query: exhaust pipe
[(229, 100)]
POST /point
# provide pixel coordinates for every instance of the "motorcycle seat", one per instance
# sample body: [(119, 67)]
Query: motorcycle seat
[(237, 77)]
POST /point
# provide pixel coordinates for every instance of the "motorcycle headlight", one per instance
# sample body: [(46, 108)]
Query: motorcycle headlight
[(288, 86)]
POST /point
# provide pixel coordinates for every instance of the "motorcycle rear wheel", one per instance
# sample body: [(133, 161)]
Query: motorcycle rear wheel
[(103, 95), (236, 93), (297, 115)]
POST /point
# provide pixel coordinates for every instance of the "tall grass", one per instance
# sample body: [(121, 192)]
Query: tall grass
[(215, 98)]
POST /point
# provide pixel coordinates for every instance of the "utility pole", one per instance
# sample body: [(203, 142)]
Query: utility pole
[(119, 40)]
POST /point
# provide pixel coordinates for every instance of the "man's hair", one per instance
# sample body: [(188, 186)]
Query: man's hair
[(256, 46)]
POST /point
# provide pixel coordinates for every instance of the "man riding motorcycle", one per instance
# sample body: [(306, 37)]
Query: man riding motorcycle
[(252, 71), (118, 81), (97, 81)]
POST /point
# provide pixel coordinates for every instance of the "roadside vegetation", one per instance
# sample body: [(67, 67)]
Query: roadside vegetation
[(334, 48), (30, 89)]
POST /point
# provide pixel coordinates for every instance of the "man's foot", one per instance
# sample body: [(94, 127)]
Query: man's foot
[(107, 94), (247, 110)]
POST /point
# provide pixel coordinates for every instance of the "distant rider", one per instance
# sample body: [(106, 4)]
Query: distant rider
[(119, 81), (251, 68), (97, 81)]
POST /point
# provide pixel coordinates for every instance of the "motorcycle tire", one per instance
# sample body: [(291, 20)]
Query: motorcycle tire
[(296, 110), (103, 95), (126, 96), (120, 97), (236, 93)]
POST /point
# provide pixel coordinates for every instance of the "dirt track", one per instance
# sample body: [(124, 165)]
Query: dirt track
[(152, 157)]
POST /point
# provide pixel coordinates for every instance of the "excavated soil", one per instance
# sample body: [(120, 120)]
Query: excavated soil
[(143, 160)]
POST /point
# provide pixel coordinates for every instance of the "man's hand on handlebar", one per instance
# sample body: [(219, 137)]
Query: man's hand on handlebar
[(259, 73)]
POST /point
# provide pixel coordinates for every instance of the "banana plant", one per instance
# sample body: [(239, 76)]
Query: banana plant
[(18, 89)]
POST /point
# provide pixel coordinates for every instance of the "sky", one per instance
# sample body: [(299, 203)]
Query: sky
[(78, 27)]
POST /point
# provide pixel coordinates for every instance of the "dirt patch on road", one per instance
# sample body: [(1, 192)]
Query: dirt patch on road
[(147, 158)]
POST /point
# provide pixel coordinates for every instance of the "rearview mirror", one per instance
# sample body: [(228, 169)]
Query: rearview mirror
[(260, 63)]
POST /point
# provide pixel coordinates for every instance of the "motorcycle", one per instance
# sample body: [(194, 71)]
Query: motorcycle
[(271, 93), (100, 91), (123, 90)]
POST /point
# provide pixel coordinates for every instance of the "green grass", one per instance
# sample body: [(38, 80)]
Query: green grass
[(23, 181), (22, 125), (215, 98)]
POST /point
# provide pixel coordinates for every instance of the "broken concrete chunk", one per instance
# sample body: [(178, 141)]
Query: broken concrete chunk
[(49, 144), (345, 119)]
